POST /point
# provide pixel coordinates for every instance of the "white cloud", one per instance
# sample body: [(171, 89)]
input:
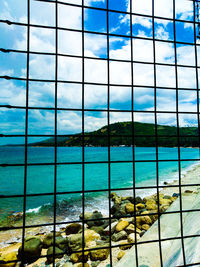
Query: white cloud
[(161, 33), (186, 78), (11, 94), (69, 68), (142, 7), (164, 8)]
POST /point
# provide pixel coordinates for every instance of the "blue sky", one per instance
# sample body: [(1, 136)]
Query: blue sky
[(42, 94)]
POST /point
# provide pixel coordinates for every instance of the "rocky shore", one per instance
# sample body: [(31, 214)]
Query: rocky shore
[(130, 219)]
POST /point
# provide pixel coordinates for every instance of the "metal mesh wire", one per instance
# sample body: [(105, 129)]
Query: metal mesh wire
[(108, 110)]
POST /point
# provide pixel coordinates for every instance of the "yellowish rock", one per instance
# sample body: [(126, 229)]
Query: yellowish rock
[(151, 205), (91, 235), (145, 220), (120, 255), (145, 227), (9, 256), (173, 199), (140, 206), (80, 264), (99, 255), (129, 208), (79, 257), (130, 229), (125, 244), (148, 198), (91, 244), (131, 237), (138, 230), (165, 201), (146, 212), (121, 226), (163, 208), (160, 196)]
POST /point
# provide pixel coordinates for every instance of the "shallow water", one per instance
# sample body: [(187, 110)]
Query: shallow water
[(40, 179)]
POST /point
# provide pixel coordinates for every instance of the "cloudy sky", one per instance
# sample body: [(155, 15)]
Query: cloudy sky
[(42, 66)]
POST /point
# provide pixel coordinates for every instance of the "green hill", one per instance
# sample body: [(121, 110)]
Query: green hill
[(122, 133)]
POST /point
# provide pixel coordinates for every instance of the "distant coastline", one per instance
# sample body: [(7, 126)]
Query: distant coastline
[(122, 134)]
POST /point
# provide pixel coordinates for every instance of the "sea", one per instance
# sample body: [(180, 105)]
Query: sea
[(70, 171)]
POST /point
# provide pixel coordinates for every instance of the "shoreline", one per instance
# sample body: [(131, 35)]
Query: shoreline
[(189, 177), (186, 179), (93, 204)]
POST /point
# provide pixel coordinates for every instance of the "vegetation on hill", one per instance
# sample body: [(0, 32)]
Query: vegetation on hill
[(122, 133)]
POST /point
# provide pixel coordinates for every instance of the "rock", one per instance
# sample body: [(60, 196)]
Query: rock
[(16, 216), (125, 202), (87, 216), (67, 264), (140, 220), (138, 200), (81, 265), (75, 242), (106, 223), (91, 244), (146, 220), (119, 236), (148, 198), (79, 257), (118, 211), (5, 257), (140, 206), (73, 228), (173, 199), (152, 216), (167, 197), (163, 208), (127, 219), (151, 205), (129, 208), (95, 263), (120, 255), (142, 233), (125, 245), (32, 250), (119, 214), (61, 242), (163, 201), (99, 255), (58, 253), (107, 229), (175, 195), (131, 237), (145, 227), (125, 198), (91, 235), (130, 229), (115, 198), (97, 216), (160, 196), (98, 229), (115, 208), (188, 191), (48, 239), (146, 212), (121, 226)]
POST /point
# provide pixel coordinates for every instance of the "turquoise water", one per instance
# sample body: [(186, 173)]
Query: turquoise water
[(40, 179)]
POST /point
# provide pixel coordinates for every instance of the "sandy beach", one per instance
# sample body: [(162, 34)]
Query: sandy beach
[(192, 176)]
